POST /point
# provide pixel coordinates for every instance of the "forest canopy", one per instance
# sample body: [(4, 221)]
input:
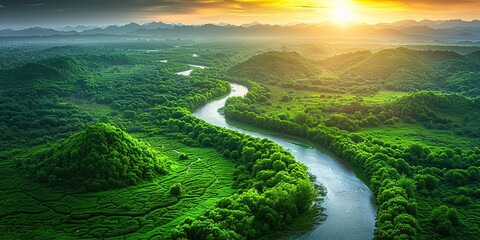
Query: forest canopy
[(99, 157)]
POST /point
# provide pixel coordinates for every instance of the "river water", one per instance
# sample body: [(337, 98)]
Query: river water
[(349, 203)]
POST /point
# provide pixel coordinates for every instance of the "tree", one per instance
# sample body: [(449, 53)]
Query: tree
[(445, 218), (458, 177), (129, 114), (304, 195), (279, 165), (176, 189)]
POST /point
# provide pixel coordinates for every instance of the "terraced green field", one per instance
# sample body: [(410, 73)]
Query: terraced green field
[(33, 211), (408, 135)]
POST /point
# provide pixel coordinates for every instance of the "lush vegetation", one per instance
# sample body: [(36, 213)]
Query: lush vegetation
[(100, 157), (70, 119), (417, 151), (274, 189), (273, 66), (405, 119), (144, 210)]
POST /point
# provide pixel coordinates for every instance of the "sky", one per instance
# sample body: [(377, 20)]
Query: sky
[(56, 13)]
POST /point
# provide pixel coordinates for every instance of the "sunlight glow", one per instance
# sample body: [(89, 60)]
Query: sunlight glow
[(342, 15), (342, 12)]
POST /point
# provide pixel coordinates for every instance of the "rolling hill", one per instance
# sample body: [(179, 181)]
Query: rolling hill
[(274, 66), (99, 157)]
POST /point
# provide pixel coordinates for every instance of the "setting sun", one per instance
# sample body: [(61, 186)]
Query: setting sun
[(342, 12), (342, 15)]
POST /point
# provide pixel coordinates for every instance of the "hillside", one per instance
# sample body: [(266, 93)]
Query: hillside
[(430, 107), (344, 61), (275, 66), (100, 157), (475, 55), (398, 69), (61, 72), (386, 62)]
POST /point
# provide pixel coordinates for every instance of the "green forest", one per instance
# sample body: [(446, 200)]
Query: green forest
[(99, 140), (405, 119)]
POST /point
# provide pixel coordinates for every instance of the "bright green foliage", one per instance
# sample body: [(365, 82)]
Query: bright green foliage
[(445, 219), (417, 151), (272, 66), (100, 157), (274, 188), (139, 92), (176, 189), (144, 210)]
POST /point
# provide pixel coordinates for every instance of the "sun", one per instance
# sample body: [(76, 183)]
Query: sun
[(342, 15), (342, 12)]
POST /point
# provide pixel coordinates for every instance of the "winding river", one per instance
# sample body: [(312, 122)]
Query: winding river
[(349, 203)]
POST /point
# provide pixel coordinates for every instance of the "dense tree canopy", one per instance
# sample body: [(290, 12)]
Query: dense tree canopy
[(100, 157)]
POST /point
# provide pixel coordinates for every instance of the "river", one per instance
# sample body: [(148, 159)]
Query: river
[(349, 203), (188, 72)]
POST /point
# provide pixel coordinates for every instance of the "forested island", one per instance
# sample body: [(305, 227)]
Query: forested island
[(98, 139)]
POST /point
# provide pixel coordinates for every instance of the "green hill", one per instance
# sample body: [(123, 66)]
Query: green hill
[(100, 157), (474, 55), (344, 61), (384, 63), (69, 64), (57, 72), (32, 71), (397, 69), (61, 73), (274, 66)]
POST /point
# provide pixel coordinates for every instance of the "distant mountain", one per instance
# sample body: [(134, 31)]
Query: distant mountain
[(34, 31), (78, 28), (457, 23), (157, 25), (274, 65), (115, 30), (438, 24), (407, 31), (251, 24), (444, 33)]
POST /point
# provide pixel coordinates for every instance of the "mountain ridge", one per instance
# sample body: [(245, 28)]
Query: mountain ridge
[(402, 31)]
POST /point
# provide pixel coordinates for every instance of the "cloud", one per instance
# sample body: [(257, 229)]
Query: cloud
[(16, 12), (34, 5), (166, 6), (420, 3)]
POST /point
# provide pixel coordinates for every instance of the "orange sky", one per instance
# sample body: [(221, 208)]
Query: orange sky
[(25, 13), (312, 11)]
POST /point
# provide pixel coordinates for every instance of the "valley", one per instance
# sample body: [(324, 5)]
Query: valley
[(168, 139)]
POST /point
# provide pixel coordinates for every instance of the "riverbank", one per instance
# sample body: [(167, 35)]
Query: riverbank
[(349, 203)]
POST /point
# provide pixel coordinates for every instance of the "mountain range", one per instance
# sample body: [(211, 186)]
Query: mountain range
[(426, 31)]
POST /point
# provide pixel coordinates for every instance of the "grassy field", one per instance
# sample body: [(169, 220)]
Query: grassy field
[(89, 107), (326, 103), (470, 214), (408, 134), (33, 211), (383, 96)]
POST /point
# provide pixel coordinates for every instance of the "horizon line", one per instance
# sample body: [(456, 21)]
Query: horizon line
[(253, 23)]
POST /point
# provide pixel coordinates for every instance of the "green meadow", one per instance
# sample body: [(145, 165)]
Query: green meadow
[(146, 210)]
